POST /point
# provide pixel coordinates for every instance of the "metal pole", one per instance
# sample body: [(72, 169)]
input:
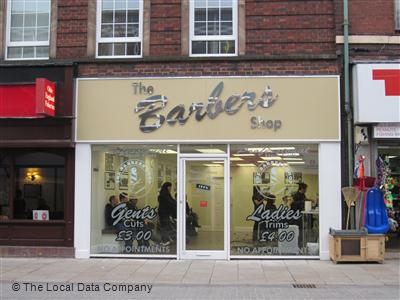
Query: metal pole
[(347, 105)]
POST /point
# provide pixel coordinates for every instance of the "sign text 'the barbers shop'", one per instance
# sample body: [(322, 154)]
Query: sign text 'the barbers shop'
[(151, 117)]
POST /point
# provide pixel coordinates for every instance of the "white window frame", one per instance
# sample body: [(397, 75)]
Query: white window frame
[(234, 35), (99, 39), (24, 44), (397, 15)]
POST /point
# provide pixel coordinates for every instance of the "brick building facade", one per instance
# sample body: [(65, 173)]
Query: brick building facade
[(273, 38)]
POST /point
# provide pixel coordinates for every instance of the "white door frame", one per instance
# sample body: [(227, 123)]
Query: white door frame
[(181, 230)]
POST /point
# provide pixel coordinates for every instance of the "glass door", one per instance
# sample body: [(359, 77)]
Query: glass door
[(203, 208)]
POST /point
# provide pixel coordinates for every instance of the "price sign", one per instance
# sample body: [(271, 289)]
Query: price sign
[(41, 215)]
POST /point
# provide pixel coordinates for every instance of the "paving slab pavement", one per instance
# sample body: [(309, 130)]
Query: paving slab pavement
[(205, 278)]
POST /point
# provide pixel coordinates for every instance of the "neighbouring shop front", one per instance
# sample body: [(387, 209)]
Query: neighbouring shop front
[(377, 134), (36, 161), (207, 167)]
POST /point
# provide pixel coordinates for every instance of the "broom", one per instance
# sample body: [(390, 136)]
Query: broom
[(350, 196)]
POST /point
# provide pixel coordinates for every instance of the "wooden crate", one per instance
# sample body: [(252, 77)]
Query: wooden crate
[(369, 247)]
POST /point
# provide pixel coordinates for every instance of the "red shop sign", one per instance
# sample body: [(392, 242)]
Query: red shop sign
[(45, 97), (28, 100)]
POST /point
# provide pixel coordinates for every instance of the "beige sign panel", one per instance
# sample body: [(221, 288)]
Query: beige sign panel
[(219, 109)]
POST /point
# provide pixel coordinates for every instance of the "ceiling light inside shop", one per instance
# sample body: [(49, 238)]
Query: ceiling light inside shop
[(246, 165), (217, 162), (163, 151), (236, 159), (296, 162), (272, 158), (212, 165), (282, 148), (289, 154), (273, 164), (213, 151), (259, 149), (291, 158), (243, 154), (391, 156), (279, 164)]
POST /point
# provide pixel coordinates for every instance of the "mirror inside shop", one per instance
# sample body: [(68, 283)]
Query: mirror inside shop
[(273, 199)]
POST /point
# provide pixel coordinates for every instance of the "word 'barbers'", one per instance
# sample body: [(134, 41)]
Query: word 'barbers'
[(153, 105)]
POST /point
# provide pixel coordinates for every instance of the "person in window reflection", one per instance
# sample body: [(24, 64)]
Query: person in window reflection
[(257, 199), (166, 211)]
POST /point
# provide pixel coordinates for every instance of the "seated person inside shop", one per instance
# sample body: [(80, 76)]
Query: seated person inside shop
[(192, 220), (113, 202), (130, 204)]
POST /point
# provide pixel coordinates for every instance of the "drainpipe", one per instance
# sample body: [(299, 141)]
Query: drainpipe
[(347, 105)]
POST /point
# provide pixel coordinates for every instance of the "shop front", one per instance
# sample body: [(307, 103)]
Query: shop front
[(36, 161), (377, 133), (207, 167)]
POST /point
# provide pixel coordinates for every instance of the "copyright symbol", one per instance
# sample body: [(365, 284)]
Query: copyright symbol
[(16, 287)]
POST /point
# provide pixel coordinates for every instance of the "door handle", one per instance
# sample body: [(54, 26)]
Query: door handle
[(203, 254)]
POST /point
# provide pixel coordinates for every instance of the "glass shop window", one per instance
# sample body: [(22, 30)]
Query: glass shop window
[(274, 200), (32, 186), (134, 199)]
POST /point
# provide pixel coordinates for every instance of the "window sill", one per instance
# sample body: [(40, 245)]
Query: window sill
[(212, 58), (2, 222), (156, 59)]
